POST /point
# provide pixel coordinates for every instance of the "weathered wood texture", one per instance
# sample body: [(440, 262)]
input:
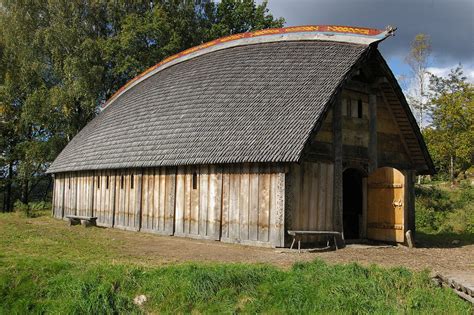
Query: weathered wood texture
[(309, 190), (128, 199), (70, 194), (385, 205), (104, 196), (158, 200), (253, 204), (58, 195), (198, 201), (239, 203), (338, 167), (387, 145), (409, 217)]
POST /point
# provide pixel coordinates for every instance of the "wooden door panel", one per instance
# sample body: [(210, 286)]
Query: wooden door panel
[(385, 205)]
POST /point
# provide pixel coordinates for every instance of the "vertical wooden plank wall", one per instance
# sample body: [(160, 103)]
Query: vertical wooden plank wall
[(70, 193), (242, 203), (85, 192), (128, 199), (58, 195), (198, 205), (253, 205), (104, 197), (309, 190)]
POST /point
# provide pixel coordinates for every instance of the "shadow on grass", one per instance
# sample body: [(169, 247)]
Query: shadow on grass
[(443, 239)]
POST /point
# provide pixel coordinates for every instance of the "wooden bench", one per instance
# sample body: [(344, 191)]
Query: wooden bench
[(298, 235), (84, 220)]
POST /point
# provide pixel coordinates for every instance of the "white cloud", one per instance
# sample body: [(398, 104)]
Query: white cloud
[(444, 71)]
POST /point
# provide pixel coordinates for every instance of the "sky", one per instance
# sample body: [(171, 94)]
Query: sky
[(449, 24)]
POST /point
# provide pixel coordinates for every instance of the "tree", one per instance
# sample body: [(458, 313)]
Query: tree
[(450, 137), (60, 60), (418, 61)]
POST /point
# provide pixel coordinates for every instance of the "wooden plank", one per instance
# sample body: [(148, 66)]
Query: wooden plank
[(122, 186), (398, 115), (409, 219), (253, 202), (316, 213), (321, 192), (277, 207), (329, 196), (113, 190), (338, 153), (187, 199), (203, 198), (244, 201), (144, 201), (63, 194), (150, 198), (138, 198), (195, 204), (55, 197), (75, 188), (296, 180), (385, 206), (163, 188), (305, 196), (113, 196), (92, 192), (225, 203), (234, 213), (126, 192), (156, 199), (78, 187), (264, 204), (170, 200), (96, 200), (372, 132), (215, 202), (180, 200)]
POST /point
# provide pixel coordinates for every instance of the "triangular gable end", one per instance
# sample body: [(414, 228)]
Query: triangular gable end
[(399, 141)]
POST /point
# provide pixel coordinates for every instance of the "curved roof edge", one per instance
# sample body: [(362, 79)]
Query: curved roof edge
[(337, 33)]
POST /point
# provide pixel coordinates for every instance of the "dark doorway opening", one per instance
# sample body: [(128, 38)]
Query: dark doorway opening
[(352, 203)]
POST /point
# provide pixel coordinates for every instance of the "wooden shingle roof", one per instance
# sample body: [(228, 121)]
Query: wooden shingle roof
[(249, 103)]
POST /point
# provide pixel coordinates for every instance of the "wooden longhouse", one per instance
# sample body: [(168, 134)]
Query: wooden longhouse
[(249, 136)]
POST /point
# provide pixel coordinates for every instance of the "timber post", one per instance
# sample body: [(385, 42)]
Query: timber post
[(409, 202), (372, 131), (337, 192)]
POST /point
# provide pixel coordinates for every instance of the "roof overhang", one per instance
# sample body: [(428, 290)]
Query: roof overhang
[(346, 34)]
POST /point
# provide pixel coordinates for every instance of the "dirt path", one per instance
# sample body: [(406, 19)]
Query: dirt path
[(162, 249), (152, 250)]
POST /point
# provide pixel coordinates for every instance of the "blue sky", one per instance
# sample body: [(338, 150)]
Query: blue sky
[(449, 23)]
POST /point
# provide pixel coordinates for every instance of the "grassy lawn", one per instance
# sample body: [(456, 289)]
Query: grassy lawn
[(45, 270)]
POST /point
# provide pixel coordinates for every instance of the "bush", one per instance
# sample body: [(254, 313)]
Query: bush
[(445, 210), (31, 209), (22, 208)]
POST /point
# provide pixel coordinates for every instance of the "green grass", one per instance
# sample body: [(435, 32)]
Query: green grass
[(47, 268), (43, 285)]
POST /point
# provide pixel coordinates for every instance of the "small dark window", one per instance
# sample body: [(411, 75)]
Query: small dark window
[(98, 182), (121, 182), (107, 182), (131, 181), (359, 108), (349, 108), (69, 183), (195, 180)]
